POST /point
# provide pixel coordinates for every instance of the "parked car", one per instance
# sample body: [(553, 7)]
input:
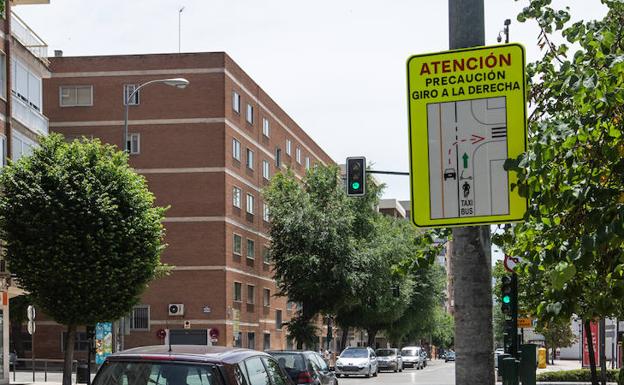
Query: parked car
[(357, 361), (450, 356), (389, 359), (412, 357), (190, 364), (304, 367)]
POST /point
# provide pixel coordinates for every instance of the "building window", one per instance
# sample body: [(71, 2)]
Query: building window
[(265, 255), (288, 147), (250, 159), (238, 244), (266, 297), (3, 151), (251, 340), (3, 75), (251, 294), (298, 155), (251, 252), (266, 128), (236, 102), (76, 96), (250, 204), (278, 319), (249, 114), (278, 157), (266, 172), (128, 90), (238, 292), (236, 197), (140, 318), (26, 86), (133, 146), (236, 149), (307, 163), (238, 340), (265, 212), (81, 344), (21, 146), (267, 341)]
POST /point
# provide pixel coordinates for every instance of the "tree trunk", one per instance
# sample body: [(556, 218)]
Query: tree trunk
[(343, 339), (602, 354), (69, 354), (590, 348), (372, 334), (472, 277)]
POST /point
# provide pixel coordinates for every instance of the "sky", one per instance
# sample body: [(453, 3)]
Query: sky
[(338, 68)]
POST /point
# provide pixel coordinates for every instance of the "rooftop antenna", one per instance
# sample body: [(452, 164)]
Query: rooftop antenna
[(180, 29)]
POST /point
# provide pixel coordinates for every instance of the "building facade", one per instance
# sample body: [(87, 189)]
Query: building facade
[(206, 152)]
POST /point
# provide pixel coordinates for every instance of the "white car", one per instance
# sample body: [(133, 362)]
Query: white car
[(412, 357), (357, 362)]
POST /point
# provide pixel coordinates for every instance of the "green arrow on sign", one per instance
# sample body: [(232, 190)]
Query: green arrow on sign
[(465, 158)]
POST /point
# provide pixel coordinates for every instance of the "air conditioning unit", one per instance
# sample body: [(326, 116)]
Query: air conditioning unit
[(176, 309)]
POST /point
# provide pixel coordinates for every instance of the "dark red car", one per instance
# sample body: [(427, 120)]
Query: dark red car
[(190, 365)]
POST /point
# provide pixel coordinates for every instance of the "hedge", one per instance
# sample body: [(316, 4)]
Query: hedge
[(583, 375)]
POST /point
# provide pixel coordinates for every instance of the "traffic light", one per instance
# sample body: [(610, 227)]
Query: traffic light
[(356, 176), (506, 295)]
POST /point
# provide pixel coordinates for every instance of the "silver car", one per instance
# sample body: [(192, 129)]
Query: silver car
[(357, 362), (412, 357), (389, 359)]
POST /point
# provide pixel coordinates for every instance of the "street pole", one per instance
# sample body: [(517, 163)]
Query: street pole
[(471, 257)]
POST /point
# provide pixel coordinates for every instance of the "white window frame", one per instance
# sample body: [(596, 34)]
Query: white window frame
[(240, 251), (249, 115), (251, 201), (265, 212), (236, 149), (266, 127), (240, 284), (288, 147), (133, 316), (3, 75), (237, 196), (266, 300), (279, 325), (253, 249), (236, 102), (278, 157), (266, 169), (250, 159), (128, 89), (307, 162), (251, 300), (134, 138), (265, 255), (298, 155), (75, 89)]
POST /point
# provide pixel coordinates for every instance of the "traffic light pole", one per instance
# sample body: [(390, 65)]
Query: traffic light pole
[(471, 251)]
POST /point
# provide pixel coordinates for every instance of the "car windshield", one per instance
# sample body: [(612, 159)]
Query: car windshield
[(385, 352), (408, 352), (290, 361), (354, 353), (151, 373)]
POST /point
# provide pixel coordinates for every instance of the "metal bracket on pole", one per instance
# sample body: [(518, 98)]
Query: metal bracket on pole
[(388, 172)]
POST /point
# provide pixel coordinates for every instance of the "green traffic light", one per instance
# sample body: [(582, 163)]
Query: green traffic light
[(355, 185), (506, 299)]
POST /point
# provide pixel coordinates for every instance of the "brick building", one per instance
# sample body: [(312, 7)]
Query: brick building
[(206, 152)]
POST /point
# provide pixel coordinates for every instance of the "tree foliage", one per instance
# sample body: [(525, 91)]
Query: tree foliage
[(82, 234)]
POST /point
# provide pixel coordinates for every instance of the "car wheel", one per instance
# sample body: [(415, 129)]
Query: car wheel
[(338, 375)]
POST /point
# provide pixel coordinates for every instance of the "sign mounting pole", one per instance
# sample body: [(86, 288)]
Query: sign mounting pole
[(471, 250)]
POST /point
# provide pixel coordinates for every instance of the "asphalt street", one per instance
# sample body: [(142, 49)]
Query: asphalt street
[(436, 373)]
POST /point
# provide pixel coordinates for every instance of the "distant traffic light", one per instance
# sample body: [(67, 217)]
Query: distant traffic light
[(356, 176)]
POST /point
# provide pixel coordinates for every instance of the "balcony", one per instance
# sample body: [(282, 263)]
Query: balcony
[(29, 117), (29, 39)]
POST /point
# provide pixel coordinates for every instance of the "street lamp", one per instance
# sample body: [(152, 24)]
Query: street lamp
[(173, 82)]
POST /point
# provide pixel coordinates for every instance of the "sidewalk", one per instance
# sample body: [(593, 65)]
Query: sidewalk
[(54, 378), (561, 365)]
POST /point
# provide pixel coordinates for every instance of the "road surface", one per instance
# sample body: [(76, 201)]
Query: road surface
[(436, 373)]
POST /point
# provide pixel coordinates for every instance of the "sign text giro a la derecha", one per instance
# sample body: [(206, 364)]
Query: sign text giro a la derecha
[(467, 115)]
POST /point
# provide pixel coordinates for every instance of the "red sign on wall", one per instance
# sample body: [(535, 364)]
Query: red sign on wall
[(595, 341)]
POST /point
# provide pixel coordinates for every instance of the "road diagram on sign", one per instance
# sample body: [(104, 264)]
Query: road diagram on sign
[(467, 150)]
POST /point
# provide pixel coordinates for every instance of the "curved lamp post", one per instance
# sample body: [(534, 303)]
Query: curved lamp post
[(174, 82)]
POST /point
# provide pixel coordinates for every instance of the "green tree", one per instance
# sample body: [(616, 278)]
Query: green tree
[(573, 171), (82, 234), (443, 334), (557, 334)]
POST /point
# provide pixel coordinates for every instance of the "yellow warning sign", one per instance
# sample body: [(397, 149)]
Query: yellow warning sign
[(467, 115), (525, 323)]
